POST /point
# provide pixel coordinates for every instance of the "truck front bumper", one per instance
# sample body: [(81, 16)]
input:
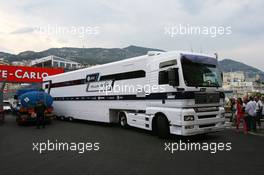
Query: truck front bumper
[(196, 129), (204, 122)]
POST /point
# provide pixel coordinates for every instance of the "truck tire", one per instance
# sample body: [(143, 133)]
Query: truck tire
[(162, 127), (123, 120), (62, 118)]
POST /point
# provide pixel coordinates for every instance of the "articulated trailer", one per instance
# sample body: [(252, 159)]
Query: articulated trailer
[(166, 92)]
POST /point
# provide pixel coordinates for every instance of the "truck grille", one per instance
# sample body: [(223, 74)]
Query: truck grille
[(207, 125), (206, 109), (207, 98), (206, 116)]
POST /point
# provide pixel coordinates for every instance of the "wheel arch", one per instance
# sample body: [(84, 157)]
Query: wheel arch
[(154, 120)]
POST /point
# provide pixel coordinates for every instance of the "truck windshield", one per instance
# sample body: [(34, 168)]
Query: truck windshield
[(201, 71)]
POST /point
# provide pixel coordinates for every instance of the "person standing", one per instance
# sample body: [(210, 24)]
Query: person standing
[(240, 115), (40, 111), (232, 109), (262, 100), (246, 116), (251, 111), (259, 109)]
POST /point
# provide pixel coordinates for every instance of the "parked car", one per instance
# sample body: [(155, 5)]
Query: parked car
[(15, 106), (6, 106)]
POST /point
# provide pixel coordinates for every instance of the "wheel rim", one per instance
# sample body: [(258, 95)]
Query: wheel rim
[(123, 121)]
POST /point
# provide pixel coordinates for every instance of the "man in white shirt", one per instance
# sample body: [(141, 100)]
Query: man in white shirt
[(251, 110)]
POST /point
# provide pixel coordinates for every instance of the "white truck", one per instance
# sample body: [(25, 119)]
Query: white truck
[(166, 92)]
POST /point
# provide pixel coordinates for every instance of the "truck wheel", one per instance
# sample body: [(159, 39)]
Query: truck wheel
[(163, 127), (123, 120), (70, 119), (62, 118)]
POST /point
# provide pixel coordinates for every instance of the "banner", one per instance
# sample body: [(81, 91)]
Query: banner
[(23, 74)]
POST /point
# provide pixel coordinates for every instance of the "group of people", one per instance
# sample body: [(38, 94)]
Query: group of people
[(249, 111)]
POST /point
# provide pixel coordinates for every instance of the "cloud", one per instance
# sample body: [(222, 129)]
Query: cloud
[(126, 22), (23, 30), (249, 52)]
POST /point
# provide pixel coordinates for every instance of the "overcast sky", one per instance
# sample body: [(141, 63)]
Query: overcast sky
[(120, 23)]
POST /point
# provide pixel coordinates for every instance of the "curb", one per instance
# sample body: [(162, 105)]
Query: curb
[(229, 126), (256, 134)]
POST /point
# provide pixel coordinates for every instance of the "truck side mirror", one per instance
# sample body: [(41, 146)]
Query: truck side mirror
[(173, 77)]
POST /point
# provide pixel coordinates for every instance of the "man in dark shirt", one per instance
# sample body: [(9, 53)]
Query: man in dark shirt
[(40, 111)]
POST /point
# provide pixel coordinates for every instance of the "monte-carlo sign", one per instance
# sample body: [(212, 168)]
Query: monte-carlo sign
[(23, 74)]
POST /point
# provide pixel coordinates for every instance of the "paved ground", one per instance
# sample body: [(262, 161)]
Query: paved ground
[(259, 132), (123, 151)]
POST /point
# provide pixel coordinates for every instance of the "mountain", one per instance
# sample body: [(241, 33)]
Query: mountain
[(228, 65), (8, 57), (85, 55), (106, 55)]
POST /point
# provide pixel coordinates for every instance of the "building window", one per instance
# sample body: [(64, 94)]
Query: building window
[(47, 63), (55, 64), (62, 64), (68, 65), (38, 65), (74, 66)]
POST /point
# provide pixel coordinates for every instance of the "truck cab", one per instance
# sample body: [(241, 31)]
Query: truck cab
[(193, 102)]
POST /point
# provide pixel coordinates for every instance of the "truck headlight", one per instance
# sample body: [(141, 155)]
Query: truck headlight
[(188, 118)]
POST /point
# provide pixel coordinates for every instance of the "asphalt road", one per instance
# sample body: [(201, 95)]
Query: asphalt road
[(123, 151)]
